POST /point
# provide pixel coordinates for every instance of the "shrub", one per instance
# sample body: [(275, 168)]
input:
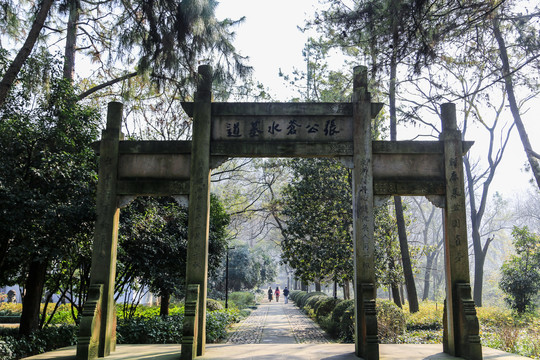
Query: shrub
[(302, 300), (390, 321), (218, 321), (47, 339), (429, 317), (340, 309), (242, 299), (346, 325), (213, 305), (150, 330), (10, 319), (325, 306), (312, 301), (335, 326), (10, 309), (294, 295)]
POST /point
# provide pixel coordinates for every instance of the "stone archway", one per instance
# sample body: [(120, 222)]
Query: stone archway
[(222, 130)]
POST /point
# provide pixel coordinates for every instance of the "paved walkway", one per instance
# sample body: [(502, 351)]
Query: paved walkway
[(277, 330), (277, 323)]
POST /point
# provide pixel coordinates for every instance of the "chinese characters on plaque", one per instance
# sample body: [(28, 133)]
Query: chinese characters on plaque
[(283, 128)]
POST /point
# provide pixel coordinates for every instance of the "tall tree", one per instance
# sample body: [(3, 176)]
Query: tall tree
[(15, 67), (520, 274), (528, 42), (154, 231), (317, 213), (48, 179)]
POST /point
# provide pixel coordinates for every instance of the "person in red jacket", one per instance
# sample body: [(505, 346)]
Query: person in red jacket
[(277, 293)]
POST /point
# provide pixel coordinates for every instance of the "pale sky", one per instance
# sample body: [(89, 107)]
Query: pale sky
[(271, 39)]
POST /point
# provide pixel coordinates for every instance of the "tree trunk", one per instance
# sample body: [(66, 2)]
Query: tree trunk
[(402, 233), (412, 296), (395, 295), (15, 67), (318, 285), (479, 261), (532, 157), (32, 297), (427, 275), (164, 306), (346, 290), (71, 39)]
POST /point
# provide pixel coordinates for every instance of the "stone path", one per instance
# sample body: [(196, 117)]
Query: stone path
[(277, 323)]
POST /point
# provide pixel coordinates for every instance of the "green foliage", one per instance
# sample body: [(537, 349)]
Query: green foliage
[(317, 211), (325, 306), (521, 274), (294, 295), (340, 309), (150, 330), (213, 305), (218, 321), (249, 268), (147, 311), (317, 208), (168, 330), (429, 317), (390, 321), (242, 299), (47, 339), (311, 304), (153, 244), (302, 300), (171, 37)]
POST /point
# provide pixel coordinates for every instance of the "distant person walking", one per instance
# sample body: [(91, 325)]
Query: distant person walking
[(270, 294), (277, 292), (286, 295)]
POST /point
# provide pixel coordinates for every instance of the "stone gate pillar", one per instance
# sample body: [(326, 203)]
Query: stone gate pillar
[(461, 327), (199, 215), (366, 339), (97, 334)]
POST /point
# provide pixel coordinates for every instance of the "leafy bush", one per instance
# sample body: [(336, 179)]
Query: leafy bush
[(10, 309), (50, 338), (218, 321), (213, 305), (429, 317), (340, 309), (150, 330), (346, 325), (494, 317), (336, 327), (310, 306), (10, 319), (242, 299), (302, 300), (325, 306), (390, 321), (294, 295)]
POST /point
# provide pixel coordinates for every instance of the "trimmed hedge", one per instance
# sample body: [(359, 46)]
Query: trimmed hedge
[(325, 306), (302, 300), (13, 319), (50, 338), (137, 330)]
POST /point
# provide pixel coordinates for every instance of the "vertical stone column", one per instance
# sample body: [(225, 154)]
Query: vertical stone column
[(461, 324), (199, 203), (97, 334), (191, 320), (366, 339)]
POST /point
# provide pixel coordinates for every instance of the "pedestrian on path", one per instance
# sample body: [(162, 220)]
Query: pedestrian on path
[(286, 295), (270, 294), (277, 292)]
